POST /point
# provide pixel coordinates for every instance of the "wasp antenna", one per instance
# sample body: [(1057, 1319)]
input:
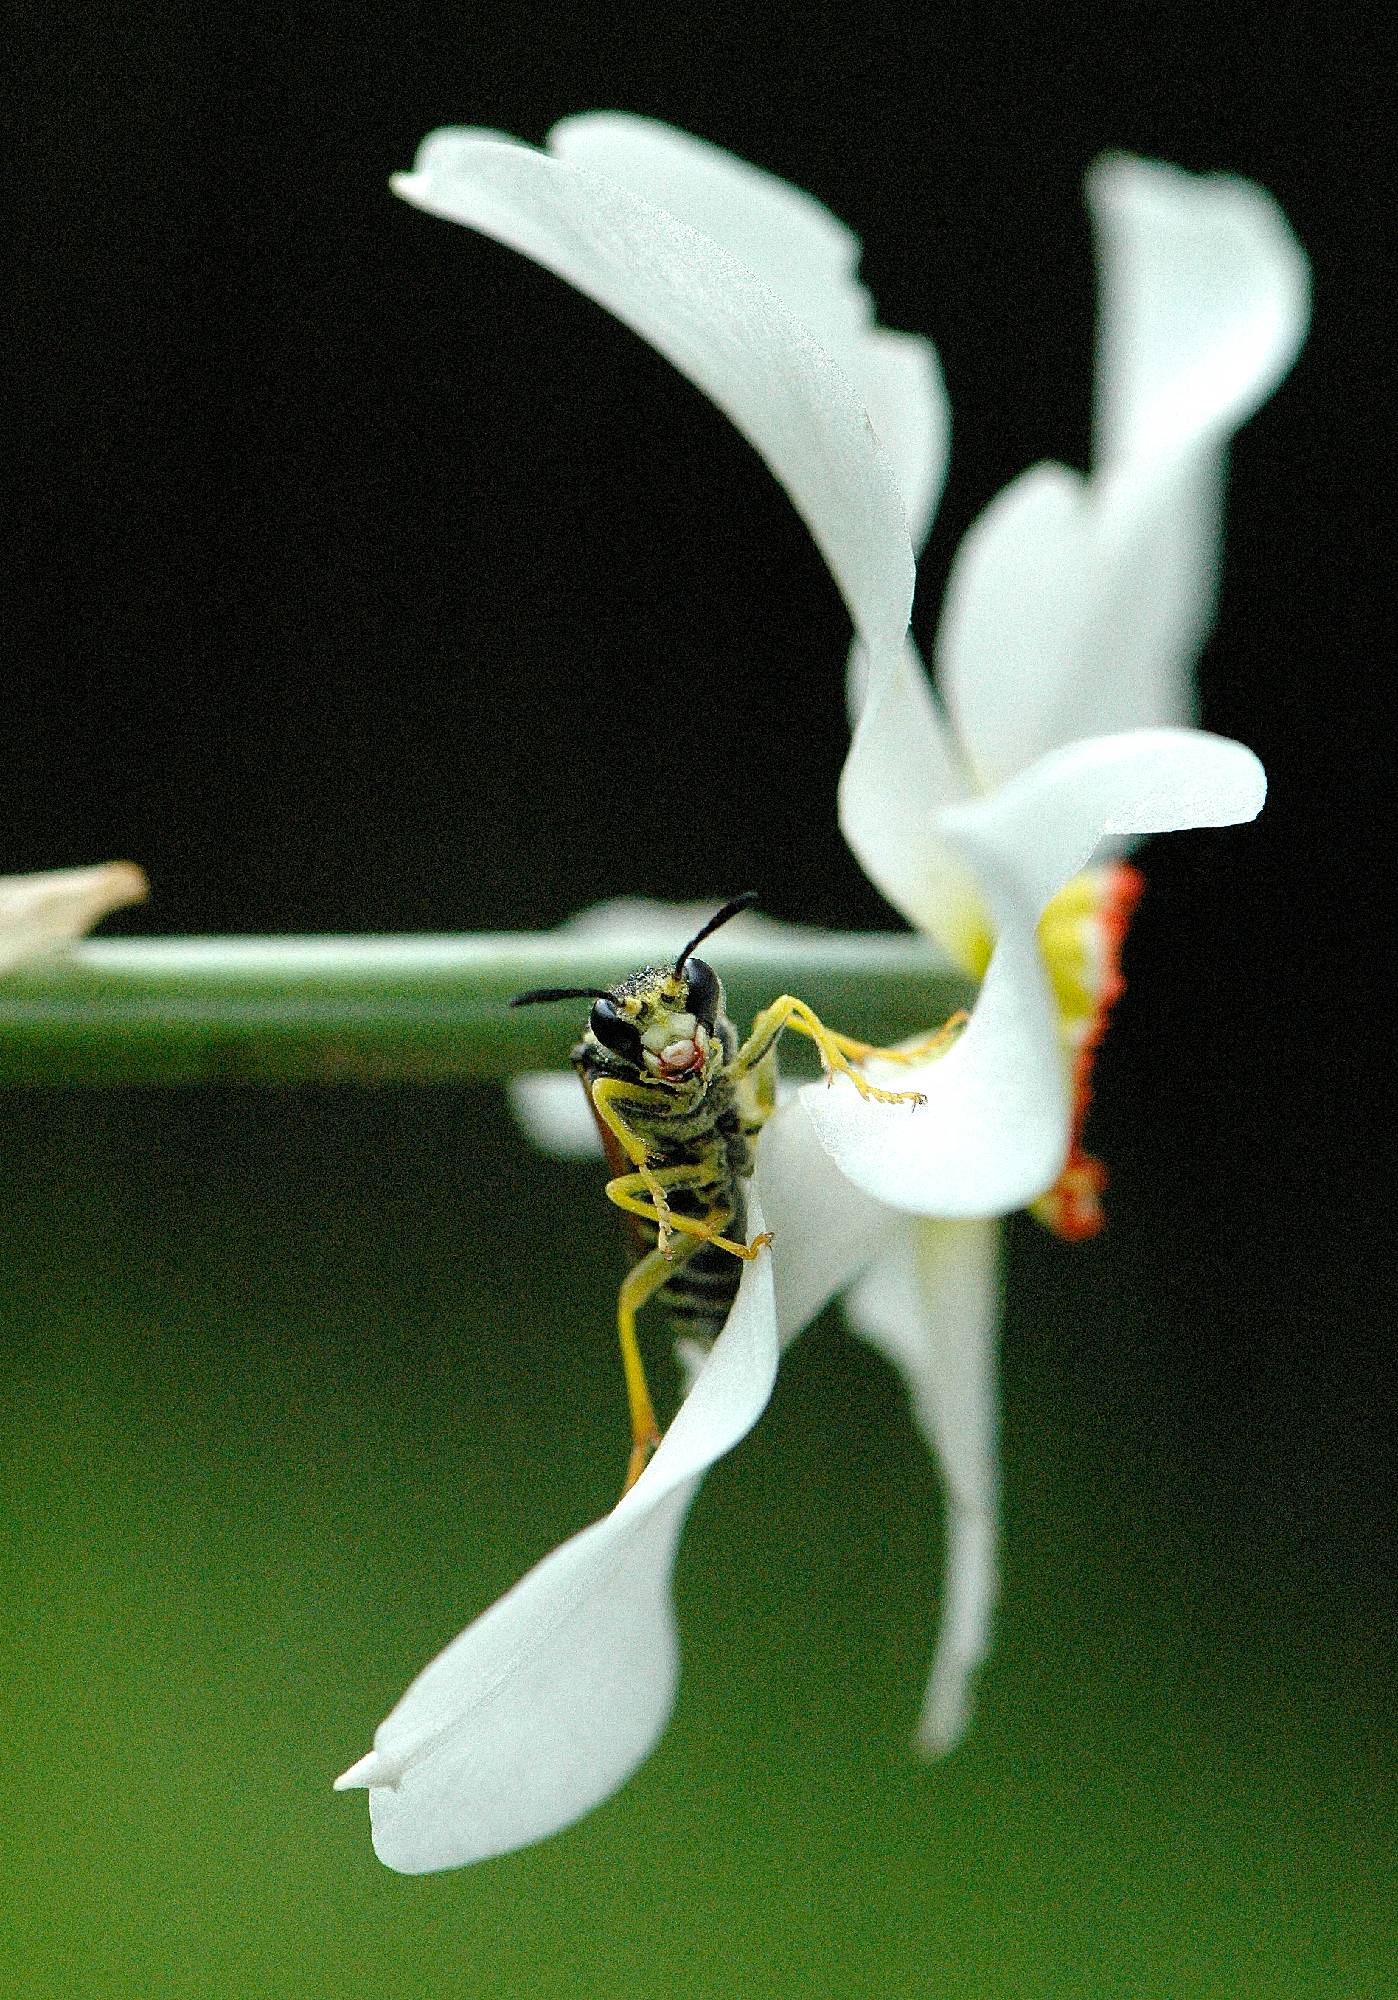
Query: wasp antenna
[(743, 902), (538, 993)]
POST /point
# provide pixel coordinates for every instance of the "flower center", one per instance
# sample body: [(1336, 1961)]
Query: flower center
[(1081, 934)]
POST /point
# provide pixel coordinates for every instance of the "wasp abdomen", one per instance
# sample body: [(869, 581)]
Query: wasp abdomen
[(699, 1292)]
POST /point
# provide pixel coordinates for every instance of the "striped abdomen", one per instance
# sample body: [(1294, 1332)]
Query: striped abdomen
[(699, 1292), (714, 1135)]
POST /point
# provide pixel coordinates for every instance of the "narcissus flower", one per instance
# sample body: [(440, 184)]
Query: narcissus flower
[(1066, 649), (1065, 654)]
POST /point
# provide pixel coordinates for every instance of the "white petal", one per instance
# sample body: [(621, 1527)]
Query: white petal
[(553, 1109), (1077, 608), (547, 1703), (692, 1352), (787, 238), (856, 684), (901, 773), (931, 1305), (810, 260), (1047, 823), (40, 913), (993, 1133), (824, 1229), (900, 379), (719, 324), (1205, 296)]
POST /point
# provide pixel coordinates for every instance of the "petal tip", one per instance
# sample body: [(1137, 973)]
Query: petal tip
[(945, 1721), (122, 883), (1250, 781), (373, 1769), (934, 1744)]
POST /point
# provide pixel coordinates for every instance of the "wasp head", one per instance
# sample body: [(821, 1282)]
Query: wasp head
[(662, 1024), (665, 1024)]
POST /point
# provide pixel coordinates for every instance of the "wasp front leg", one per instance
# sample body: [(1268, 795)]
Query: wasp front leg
[(838, 1053), (931, 1045), (605, 1094)]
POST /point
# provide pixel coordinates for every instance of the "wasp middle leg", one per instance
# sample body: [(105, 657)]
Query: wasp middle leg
[(633, 1192)]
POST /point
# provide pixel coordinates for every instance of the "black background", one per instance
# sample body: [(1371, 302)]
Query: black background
[(350, 546)]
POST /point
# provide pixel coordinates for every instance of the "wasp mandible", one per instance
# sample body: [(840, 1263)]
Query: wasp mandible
[(679, 1103)]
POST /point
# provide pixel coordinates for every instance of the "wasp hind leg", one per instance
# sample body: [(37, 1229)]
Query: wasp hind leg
[(641, 1283)]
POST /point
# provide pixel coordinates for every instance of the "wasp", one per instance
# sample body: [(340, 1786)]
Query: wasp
[(679, 1102)]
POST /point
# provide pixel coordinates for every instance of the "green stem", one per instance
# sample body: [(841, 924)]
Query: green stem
[(402, 1009)]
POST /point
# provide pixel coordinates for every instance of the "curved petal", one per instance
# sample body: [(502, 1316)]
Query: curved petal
[(547, 1703), (900, 379), (787, 238), (724, 329), (931, 1304), (1076, 608), (40, 913), (993, 1133), (994, 1130), (1047, 823), (901, 774), (807, 256), (1205, 297), (824, 1229)]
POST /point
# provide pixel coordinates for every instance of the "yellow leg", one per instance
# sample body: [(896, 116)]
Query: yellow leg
[(627, 1192), (641, 1282), (923, 1051), (835, 1050), (605, 1094)]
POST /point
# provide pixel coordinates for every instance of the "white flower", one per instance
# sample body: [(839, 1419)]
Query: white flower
[(42, 913), (1074, 606)]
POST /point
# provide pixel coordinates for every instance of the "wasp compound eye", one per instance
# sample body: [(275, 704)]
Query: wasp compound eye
[(704, 992), (615, 1032)]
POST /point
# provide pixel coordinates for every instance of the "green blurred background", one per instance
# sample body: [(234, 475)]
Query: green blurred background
[(299, 1386), (349, 549)]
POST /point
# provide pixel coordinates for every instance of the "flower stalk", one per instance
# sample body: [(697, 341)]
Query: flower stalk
[(371, 1010)]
